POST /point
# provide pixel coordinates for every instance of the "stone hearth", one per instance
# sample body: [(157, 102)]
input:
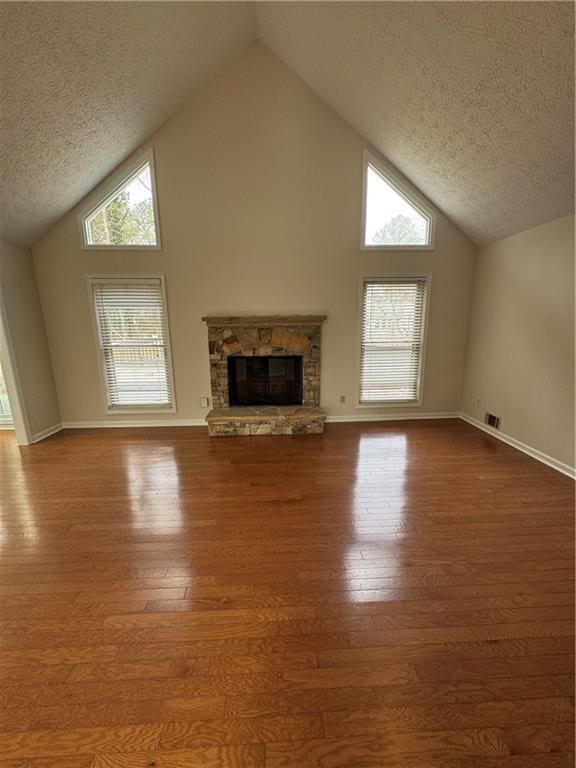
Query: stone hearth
[(266, 420), (255, 335)]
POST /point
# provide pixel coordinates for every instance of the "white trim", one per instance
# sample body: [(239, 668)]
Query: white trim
[(122, 278), (202, 422), (107, 190), (125, 410), (393, 275), (412, 195), (6, 426), (134, 423), (390, 417), (566, 469), (45, 433)]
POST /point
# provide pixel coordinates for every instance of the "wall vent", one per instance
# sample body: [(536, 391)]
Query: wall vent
[(492, 421)]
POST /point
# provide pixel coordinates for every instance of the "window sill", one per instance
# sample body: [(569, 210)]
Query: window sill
[(365, 247), (87, 247), (392, 404), (139, 409)]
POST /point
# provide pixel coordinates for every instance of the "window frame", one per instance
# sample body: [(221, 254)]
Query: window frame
[(111, 410), (396, 277), (107, 191), (409, 193), (6, 419)]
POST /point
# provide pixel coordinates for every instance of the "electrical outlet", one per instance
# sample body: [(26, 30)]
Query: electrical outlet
[(342, 398), (478, 401), (204, 402)]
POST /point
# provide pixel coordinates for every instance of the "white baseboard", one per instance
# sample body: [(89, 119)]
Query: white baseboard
[(134, 423), (6, 425), (202, 423), (389, 417), (45, 433), (566, 469)]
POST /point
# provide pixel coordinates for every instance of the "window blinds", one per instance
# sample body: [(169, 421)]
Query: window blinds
[(393, 313), (133, 339)]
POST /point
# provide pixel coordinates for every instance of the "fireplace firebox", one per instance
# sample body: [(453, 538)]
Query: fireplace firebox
[(269, 380)]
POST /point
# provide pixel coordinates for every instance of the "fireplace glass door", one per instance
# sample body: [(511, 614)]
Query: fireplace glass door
[(273, 380)]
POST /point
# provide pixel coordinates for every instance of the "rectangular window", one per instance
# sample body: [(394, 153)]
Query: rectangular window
[(133, 342), (393, 318)]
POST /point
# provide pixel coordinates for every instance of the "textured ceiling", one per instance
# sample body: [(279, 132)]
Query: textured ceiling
[(83, 84), (472, 101)]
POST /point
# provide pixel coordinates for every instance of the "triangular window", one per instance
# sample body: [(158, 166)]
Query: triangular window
[(392, 217), (127, 217)]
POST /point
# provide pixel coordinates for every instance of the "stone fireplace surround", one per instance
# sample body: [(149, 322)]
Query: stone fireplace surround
[(255, 335)]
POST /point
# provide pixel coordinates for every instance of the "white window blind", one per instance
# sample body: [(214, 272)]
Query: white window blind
[(133, 340), (393, 316)]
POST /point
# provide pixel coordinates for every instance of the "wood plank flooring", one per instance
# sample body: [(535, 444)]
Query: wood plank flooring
[(397, 595)]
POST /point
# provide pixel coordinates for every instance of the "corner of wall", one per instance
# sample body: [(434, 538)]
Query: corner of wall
[(520, 356), (30, 378)]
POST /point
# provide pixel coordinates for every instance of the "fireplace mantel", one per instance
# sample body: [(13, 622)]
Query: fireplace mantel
[(263, 321)]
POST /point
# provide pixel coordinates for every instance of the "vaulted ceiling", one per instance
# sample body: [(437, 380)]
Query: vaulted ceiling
[(82, 84), (472, 101)]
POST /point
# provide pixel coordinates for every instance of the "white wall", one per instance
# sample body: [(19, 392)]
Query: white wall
[(259, 186), (27, 362), (521, 350)]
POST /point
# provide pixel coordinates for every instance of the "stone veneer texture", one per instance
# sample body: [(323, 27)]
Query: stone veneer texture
[(264, 336), (269, 420)]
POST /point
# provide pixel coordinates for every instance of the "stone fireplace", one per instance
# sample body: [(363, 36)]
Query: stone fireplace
[(265, 375)]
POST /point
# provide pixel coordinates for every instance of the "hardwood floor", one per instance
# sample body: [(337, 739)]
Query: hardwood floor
[(391, 595)]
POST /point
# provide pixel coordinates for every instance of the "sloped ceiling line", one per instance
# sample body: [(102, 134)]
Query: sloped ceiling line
[(83, 84), (473, 102)]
